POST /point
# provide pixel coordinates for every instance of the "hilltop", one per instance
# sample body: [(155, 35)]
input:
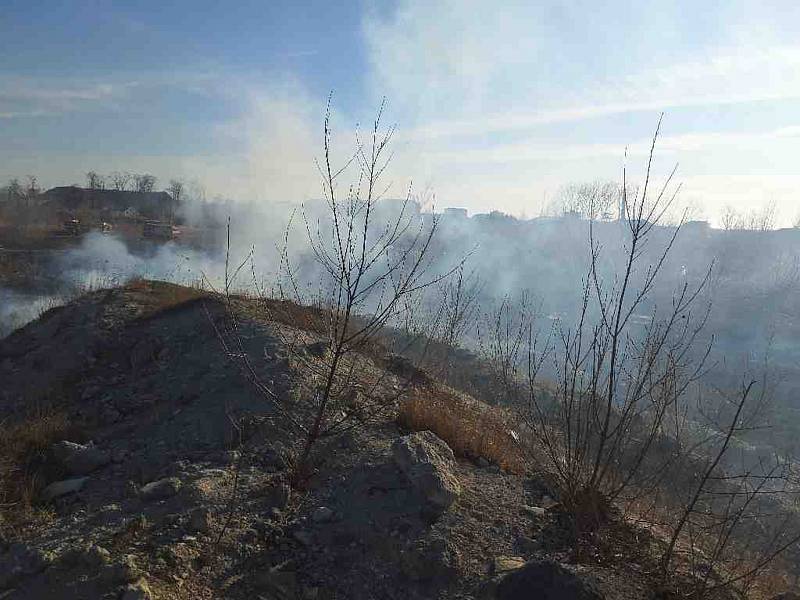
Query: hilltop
[(178, 471)]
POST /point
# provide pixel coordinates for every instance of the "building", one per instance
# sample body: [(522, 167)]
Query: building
[(456, 213), (73, 200)]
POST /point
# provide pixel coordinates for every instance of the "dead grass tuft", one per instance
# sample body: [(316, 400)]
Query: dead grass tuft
[(23, 446), (155, 297), (470, 429)]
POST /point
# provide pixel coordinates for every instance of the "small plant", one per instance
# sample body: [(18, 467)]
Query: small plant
[(372, 259), (23, 446)]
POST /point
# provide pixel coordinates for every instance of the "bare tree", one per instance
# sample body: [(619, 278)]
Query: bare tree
[(761, 219), (95, 181), (15, 192), (622, 366), (593, 200), (120, 180), (175, 190), (32, 189), (144, 182), (732, 523), (373, 258), (371, 267)]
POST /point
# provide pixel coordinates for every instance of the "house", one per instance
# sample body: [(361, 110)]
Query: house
[(110, 203), (455, 213)]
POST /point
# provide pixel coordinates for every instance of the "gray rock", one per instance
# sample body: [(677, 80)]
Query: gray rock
[(277, 584), (322, 514), (200, 520), (482, 463), (304, 537), (278, 496), (546, 580), (124, 571), (62, 488), (161, 489), (527, 545), (534, 511), (318, 349), (138, 591), (506, 564), (91, 557), (79, 459), (429, 463), (274, 459), (430, 559), (21, 561)]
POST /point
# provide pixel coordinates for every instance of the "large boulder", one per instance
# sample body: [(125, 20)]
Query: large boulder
[(428, 560), (546, 580), (62, 488), (18, 562), (161, 489), (138, 591), (429, 464), (79, 459)]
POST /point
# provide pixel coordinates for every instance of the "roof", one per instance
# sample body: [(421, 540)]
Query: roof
[(73, 198)]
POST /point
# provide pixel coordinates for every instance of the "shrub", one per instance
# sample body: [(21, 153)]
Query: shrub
[(22, 450)]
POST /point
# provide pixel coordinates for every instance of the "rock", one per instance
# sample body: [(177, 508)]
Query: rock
[(21, 561), (482, 463), (62, 488), (274, 459), (431, 559), (161, 489), (546, 580), (534, 511), (428, 463), (318, 349), (322, 514), (547, 503), (281, 585), (404, 368), (124, 571), (506, 564), (90, 557), (278, 496), (304, 537), (138, 591), (527, 545), (78, 459), (200, 520)]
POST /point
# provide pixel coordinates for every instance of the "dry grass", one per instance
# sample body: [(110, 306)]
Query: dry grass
[(469, 428), (651, 511), (23, 446), (155, 297)]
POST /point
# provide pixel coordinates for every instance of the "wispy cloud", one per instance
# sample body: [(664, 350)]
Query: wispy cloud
[(20, 98), (725, 79)]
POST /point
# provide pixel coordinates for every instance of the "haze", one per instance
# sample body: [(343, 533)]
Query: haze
[(497, 107)]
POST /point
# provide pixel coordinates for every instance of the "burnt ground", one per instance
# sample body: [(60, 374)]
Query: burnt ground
[(139, 371)]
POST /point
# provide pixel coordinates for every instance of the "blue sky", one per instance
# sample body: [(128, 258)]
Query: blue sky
[(497, 104)]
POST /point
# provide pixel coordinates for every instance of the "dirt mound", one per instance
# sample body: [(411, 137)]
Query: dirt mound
[(177, 472)]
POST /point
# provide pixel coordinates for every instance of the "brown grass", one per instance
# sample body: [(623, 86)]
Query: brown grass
[(471, 429), (23, 446), (155, 297)]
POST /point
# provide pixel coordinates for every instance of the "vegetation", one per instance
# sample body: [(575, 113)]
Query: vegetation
[(23, 448)]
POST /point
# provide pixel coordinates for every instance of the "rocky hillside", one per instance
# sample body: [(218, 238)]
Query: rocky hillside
[(138, 462)]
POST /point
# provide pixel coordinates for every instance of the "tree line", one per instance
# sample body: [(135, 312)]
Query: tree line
[(121, 181)]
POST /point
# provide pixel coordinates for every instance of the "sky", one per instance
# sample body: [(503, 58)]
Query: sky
[(497, 104)]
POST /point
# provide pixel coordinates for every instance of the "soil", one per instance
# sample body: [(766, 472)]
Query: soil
[(141, 373)]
